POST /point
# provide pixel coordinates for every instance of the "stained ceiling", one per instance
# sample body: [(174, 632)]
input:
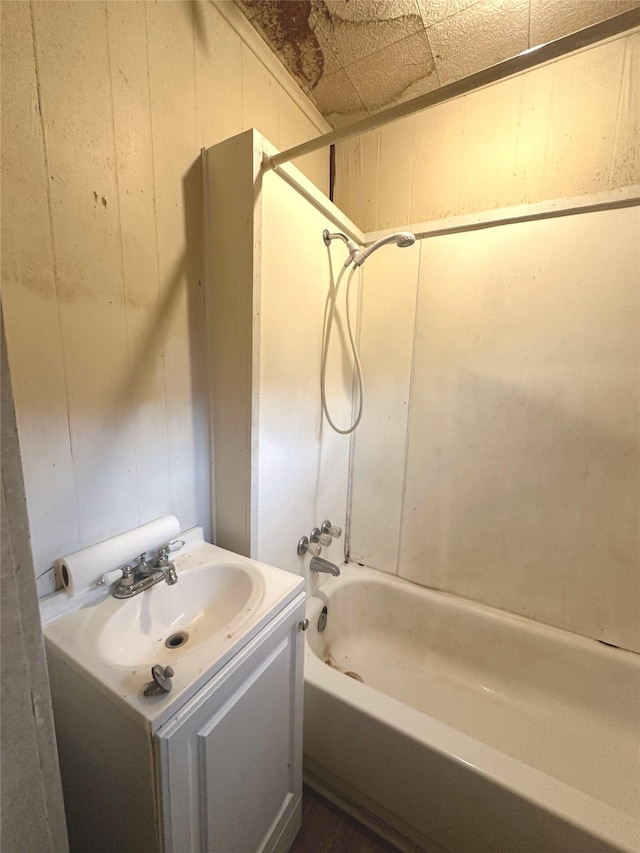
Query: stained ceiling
[(354, 58)]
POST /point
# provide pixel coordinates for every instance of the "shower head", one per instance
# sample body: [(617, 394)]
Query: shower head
[(401, 238), (358, 256)]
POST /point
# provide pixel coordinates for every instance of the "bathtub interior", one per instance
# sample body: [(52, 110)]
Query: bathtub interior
[(562, 704)]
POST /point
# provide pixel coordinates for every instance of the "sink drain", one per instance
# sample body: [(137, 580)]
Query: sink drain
[(176, 640)]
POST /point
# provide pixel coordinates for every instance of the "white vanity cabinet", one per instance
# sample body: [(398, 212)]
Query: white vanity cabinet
[(214, 765), (230, 761)]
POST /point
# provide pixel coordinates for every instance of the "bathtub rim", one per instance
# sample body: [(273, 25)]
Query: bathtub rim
[(604, 822)]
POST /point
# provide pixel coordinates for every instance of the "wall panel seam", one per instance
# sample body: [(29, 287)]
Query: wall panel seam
[(405, 473)]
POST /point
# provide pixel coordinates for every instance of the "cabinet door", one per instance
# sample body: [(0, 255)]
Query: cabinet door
[(230, 763)]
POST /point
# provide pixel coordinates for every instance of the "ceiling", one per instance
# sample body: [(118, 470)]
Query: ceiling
[(354, 58)]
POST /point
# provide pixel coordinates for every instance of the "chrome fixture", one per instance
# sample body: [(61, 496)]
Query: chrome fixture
[(318, 538), (332, 529), (358, 256), (351, 246), (135, 579), (322, 619), (318, 564), (307, 547), (161, 682)]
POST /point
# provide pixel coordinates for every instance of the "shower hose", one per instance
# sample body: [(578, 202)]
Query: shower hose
[(326, 339)]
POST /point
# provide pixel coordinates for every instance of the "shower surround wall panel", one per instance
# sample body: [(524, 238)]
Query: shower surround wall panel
[(521, 454), (105, 107), (388, 307), (303, 466)]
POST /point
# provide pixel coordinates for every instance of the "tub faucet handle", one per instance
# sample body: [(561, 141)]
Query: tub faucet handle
[(307, 547), (332, 529), (317, 536)]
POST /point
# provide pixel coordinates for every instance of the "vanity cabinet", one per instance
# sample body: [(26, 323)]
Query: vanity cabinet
[(230, 761), (216, 771)]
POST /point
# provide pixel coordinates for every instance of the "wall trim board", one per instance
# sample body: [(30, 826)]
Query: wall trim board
[(234, 17), (551, 209), (232, 246), (207, 266)]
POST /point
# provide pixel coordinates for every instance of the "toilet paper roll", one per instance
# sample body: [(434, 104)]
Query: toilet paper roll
[(82, 569)]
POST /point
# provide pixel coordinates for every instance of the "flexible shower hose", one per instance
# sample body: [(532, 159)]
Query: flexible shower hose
[(325, 353)]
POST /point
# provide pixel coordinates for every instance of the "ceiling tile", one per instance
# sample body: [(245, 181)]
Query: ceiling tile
[(356, 28), (478, 37), (433, 11), (551, 20), (337, 99), (400, 71), (362, 10), (394, 50), (330, 60)]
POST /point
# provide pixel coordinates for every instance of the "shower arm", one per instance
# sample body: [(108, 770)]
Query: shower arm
[(354, 250)]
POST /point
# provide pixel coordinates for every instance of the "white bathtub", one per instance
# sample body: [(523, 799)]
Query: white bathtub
[(474, 730)]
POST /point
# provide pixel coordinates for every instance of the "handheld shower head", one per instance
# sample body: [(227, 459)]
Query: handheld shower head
[(401, 238), (358, 256)]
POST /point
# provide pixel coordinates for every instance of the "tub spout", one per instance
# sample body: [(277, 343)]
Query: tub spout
[(318, 564)]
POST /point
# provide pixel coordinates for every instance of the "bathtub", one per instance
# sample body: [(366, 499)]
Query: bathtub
[(472, 729)]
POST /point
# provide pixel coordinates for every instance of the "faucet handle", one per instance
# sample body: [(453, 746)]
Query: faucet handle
[(306, 547), (143, 566), (318, 537), (161, 682), (332, 529), (170, 574)]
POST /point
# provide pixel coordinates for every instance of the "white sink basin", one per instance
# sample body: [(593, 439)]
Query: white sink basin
[(165, 623), (219, 604)]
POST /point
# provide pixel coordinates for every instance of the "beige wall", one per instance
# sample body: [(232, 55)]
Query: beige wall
[(566, 129), (105, 109)]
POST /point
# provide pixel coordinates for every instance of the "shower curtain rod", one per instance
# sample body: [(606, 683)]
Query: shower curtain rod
[(522, 62)]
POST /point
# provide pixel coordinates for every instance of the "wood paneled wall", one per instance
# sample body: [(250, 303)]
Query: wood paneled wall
[(105, 107), (568, 128)]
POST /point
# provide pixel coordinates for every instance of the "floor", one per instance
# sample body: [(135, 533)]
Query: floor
[(326, 829)]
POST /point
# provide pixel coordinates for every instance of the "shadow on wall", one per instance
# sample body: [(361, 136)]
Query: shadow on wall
[(523, 485), (165, 338)]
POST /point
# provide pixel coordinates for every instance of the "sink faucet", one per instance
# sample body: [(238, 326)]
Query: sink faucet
[(318, 564), (143, 575)]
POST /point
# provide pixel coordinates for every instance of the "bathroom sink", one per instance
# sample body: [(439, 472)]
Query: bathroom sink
[(167, 622), (220, 602)]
